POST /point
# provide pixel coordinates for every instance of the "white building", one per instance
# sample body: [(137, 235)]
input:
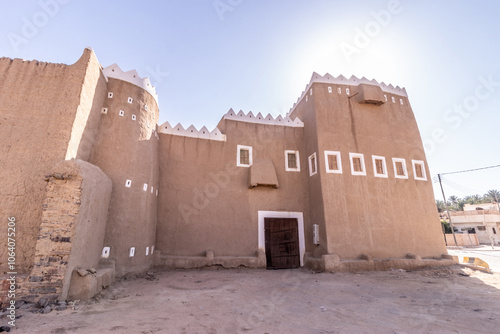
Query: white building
[(484, 222)]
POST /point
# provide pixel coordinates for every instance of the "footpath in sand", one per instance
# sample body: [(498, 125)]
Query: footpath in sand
[(215, 300)]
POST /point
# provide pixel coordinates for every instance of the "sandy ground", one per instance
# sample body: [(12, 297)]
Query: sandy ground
[(284, 301)]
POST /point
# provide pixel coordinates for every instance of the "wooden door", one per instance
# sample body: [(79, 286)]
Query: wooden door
[(282, 243)]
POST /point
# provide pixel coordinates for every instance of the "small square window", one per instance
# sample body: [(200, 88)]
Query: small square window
[(104, 110), (145, 187), (292, 161), (152, 189), (357, 164), (128, 183), (401, 101), (244, 156), (121, 113), (379, 166), (147, 251), (313, 164), (419, 170), (347, 91), (393, 99), (311, 91), (110, 95), (134, 117), (105, 252), (329, 89), (131, 252), (385, 97), (333, 162), (400, 171), (339, 90), (146, 107), (130, 100)]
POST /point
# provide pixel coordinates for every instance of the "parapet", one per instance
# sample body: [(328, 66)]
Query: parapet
[(268, 120), (353, 81), (114, 71), (192, 132)]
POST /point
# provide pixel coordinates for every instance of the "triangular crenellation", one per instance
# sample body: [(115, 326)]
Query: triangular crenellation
[(192, 132)]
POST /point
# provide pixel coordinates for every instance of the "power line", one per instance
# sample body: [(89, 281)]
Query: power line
[(469, 170)]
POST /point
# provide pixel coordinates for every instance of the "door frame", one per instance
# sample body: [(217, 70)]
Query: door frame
[(282, 214)]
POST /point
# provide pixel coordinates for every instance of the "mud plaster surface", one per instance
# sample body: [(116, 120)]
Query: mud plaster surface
[(284, 301)]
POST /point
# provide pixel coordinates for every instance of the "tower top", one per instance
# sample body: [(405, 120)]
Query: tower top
[(114, 71)]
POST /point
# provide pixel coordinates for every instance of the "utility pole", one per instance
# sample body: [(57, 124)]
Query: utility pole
[(447, 210)]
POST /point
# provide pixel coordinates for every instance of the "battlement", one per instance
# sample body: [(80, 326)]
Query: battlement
[(114, 71), (260, 119), (192, 132), (352, 81)]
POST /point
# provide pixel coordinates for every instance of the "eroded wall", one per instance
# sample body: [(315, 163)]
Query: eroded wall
[(205, 202), (44, 111), (71, 234)]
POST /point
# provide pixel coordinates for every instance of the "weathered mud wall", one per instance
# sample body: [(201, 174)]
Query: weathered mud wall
[(44, 111), (71, 234), (127, 151), (364, 214), (206, 203)]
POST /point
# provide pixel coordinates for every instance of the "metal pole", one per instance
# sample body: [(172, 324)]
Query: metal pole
[(447, 210)]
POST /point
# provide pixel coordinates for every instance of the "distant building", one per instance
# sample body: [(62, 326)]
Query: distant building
[(97, 188), (485, 223), (482, 206)]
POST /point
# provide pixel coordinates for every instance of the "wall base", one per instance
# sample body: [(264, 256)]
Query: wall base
[(189, 262), (331, 263), (91, 283)]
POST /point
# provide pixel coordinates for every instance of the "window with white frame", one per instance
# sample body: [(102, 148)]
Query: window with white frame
[(313, 164), (419, 170), (244, 156), (400, 171), (379, 166), (333, 162), (357, 164), (292, 162)]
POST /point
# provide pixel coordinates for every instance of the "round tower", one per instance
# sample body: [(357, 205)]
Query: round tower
[(127, 151)]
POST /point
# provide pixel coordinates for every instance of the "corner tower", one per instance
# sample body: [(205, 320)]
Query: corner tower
[(127, 151), (369, 184)]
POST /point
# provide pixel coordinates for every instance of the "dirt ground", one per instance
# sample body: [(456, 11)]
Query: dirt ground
[(447, 300)]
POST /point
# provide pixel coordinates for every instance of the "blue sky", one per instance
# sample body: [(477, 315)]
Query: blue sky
[(208, 56)]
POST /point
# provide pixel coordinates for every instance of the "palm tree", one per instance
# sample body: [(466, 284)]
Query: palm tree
[(460, 204), (453, 199), (440, 206), (492, 196), (473, 199)]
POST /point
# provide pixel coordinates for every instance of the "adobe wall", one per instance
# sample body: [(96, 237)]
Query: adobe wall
[(379, 217), (88, 238), (127, 151), (43, 109), (71, 234), (205, 202), (305, 110)]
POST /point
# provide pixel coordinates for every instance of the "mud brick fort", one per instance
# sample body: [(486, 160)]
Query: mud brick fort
[(98, 189)]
